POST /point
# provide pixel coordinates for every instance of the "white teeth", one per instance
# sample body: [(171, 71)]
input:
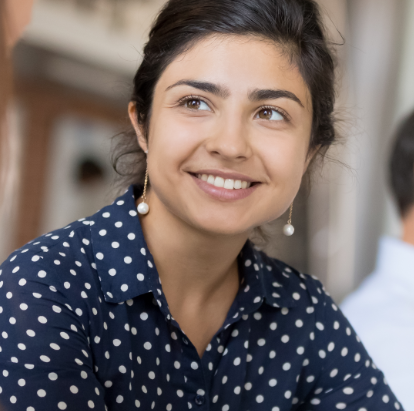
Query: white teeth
[(228, 183), (211, 179), (219, 182)]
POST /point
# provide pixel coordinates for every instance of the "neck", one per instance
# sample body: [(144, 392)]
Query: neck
[(408, 227), (190, 262)]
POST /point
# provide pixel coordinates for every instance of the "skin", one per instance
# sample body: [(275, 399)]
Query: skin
[(195, 238), (18, 17)]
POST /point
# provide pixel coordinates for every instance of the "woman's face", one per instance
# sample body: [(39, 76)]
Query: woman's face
[(234, 111)]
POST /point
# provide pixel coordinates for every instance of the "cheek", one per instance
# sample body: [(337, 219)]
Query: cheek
[(284, 161), (174, 140)]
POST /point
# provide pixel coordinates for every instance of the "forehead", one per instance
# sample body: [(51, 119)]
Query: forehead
[(241, 63)]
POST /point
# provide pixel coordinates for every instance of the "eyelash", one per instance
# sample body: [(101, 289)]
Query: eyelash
[(283, 113)]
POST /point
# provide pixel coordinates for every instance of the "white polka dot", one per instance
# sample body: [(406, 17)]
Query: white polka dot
[(180, 393), (147, 345), (140, 277), (119, 399), (341, 406), (74, 389), (41, 274), (117, 342), (13, 399), (91, 403), (115, 244), (102, 232), (248, 386), (22, 282), (285, 339), (299, 323), (348, 390), (42, 320), (286, 366), (53, 376), (44, 358), (261, 342), (131, 236), (288, 394), (21, 382), (62, 405), (194, 365), (41, 393), (112, 271), (99, 256), (128, 260), (124, 287)]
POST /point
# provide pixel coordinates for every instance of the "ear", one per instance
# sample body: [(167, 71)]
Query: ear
[(132, 112), (310, 157)]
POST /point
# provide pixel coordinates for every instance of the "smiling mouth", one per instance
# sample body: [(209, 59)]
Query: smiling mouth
[(220, 182)]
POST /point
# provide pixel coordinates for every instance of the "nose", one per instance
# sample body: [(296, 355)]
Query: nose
[(229, 140)]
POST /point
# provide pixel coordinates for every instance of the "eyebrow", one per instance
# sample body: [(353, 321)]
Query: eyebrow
[(212, 88), (223, 92), (269, 94)]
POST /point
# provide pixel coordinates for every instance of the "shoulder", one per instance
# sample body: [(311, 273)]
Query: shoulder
[(298, 289), (59, 262)]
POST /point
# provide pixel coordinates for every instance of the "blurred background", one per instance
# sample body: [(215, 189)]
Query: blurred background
[(73, 76)]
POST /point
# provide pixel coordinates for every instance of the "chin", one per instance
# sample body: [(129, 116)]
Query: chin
[(223, 224)]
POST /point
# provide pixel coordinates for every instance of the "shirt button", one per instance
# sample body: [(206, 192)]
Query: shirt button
[(199, 399)]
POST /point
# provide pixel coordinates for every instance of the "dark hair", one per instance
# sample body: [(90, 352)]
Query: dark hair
[(402, 166), (296, 25)]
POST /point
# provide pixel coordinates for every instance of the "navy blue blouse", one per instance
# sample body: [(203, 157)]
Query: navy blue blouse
[(85, 325)]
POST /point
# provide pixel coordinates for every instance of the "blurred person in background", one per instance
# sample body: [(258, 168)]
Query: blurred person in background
[(382, 309), (14, 17), (160, 300)]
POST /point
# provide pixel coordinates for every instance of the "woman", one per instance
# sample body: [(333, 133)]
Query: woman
[(173, 308)]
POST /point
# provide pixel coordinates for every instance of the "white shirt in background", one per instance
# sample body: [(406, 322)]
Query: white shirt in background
[(382, 313)]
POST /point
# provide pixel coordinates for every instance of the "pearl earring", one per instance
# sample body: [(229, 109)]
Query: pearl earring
[(143, 208), (288, 229)]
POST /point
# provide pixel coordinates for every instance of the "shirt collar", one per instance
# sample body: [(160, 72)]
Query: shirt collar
[(396, 258), (126, 268)]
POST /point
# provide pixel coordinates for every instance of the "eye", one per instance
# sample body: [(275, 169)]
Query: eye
[(196, 104), (269, 114)]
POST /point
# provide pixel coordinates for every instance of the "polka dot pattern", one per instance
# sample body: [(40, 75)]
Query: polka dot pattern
[(85, 325)]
